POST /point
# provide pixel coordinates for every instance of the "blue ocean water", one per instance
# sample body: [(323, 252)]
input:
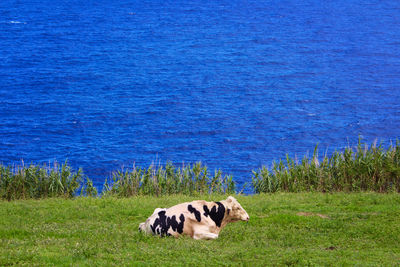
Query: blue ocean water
[(234, 84)]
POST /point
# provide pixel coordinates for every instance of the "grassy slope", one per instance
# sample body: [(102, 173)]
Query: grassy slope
[(364, 229)]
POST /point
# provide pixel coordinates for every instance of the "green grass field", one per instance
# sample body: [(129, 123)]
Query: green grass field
[(360, 229)]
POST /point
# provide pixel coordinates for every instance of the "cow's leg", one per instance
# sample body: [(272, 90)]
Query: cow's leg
[(204, 235)]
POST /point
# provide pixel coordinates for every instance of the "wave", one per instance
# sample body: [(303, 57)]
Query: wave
[(16, 22)]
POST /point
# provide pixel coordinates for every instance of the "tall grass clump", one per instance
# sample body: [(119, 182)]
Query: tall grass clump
[(363, 168), (21, 182), (159, 180)]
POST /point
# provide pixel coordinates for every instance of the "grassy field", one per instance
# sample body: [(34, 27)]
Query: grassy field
[(284, 229)]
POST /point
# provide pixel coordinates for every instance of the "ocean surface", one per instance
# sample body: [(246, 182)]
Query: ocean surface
[(234, 84)]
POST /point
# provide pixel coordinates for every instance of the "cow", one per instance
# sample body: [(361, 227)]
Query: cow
[(198, 219)]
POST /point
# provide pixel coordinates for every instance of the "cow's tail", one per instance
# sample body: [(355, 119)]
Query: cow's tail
[(141, 227)]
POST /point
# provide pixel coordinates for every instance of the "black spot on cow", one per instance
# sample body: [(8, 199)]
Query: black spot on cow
[(163, 223), (206, 210), (178, 227), (160, 221), (216, 214), (196, 212)]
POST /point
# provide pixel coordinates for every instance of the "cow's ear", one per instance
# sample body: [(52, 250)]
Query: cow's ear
[(230, 199)]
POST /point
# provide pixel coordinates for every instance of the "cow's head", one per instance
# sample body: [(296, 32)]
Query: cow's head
[(235, 211)]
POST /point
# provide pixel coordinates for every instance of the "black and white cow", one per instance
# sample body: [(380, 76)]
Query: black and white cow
[(199, 219)]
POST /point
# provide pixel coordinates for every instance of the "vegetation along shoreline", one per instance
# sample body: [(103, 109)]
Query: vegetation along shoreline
[(362, 168)]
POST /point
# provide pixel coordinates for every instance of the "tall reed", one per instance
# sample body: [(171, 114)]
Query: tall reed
[(159, 180), (363, 168), (34, 181)]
